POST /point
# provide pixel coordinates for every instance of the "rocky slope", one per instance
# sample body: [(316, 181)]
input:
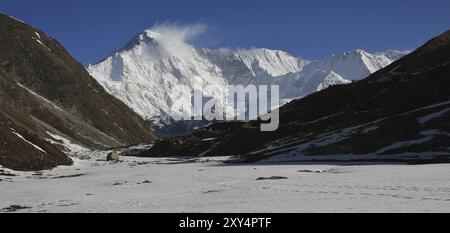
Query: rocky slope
[(45, 92), (399, 112)]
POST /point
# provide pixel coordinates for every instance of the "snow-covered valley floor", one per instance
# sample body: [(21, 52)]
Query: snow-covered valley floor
[(206, 185)]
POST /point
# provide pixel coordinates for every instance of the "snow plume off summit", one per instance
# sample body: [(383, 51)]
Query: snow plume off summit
[(145, 72)]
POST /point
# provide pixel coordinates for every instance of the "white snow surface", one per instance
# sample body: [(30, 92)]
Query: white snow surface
[(148, 71), (206, 185)]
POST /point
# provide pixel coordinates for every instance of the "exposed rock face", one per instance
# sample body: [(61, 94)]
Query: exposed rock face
[(43, 89)]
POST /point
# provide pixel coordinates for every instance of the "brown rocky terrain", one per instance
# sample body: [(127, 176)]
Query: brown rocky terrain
[(43, 89), (402, 109)]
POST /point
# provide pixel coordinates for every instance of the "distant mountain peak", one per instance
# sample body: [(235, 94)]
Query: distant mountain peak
[(159, 59)]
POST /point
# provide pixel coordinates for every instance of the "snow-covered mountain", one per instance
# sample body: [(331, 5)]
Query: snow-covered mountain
[(146, 72)]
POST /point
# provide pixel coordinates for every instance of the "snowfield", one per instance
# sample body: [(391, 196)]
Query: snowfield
[(208, 185)]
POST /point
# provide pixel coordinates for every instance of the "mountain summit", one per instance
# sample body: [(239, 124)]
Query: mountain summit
[(144, 73)]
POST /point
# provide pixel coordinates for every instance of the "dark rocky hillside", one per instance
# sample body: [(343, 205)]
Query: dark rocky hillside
[(43, 89), (401, 111)]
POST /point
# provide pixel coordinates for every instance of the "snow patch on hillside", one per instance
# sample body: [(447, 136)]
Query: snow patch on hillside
[(72, 147), (25, 140), (40, 97)]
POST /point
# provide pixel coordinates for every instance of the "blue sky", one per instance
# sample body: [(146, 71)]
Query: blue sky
[(92, 29)]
